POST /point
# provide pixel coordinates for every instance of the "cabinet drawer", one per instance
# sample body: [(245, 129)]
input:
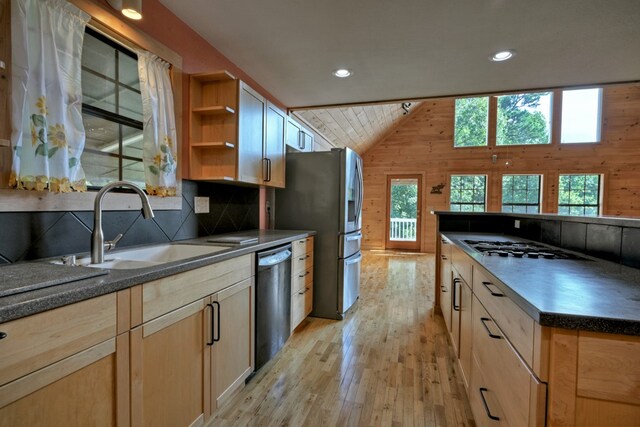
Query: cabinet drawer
[(462, 262), (301, 280), (483, 400), (302, 246), (301, 305), (36, 341), (516, 324), (167, 294), (518, 391), (301, 263)]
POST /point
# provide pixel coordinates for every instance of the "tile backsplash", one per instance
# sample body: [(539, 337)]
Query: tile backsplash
[(32, 235)]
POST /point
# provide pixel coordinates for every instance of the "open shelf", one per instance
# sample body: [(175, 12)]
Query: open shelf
[(213, 77), (224, 144), (213, 111)]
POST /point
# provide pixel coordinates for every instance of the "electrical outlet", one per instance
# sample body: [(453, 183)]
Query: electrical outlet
[(517, 223), (201, 205)]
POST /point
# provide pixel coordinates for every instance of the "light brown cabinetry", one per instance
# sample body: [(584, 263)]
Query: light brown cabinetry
[(235, 134), (298, 137), (301, 280), (60, 367), (445, 281), (232, 335)]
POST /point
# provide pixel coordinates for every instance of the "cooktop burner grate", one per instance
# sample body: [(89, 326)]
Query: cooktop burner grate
[(518, 250)]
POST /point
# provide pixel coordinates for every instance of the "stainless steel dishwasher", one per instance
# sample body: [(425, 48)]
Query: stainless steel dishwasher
[(273, 302)]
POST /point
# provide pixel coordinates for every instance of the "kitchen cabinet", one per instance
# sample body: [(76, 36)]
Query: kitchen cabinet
[(445, 281), (235, 134), (232, 337), (176, 374), (301, 280), (299, 137), (461, 323), (61, 367)]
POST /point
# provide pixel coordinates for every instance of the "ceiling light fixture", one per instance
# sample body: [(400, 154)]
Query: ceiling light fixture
[(502, 55), (342, 73), (132, 9)]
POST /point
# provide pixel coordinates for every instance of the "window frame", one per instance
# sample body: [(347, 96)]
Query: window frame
[(600, 194), (540, 189), (484, 203)]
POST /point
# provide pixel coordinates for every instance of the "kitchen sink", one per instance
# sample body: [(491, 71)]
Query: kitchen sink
[(144, 257)]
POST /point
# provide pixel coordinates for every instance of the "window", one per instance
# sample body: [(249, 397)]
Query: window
[(111, 112), (521, 193), (471, 122), (524, 119), (581, 115), (579, 195), (468, 193)]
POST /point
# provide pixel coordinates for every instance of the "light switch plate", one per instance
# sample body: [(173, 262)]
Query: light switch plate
[(517, 223), (201, 205)]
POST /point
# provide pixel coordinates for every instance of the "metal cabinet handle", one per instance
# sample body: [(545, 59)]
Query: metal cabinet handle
[(491, 334), (216, 338), (211, 341), (304, 292), (302, 258), (305, 274), (269, 169), (456, 307), (495, 294), (3, 335), (443, 257), (486, 407)]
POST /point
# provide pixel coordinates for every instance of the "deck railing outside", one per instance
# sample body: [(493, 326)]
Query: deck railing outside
[(403, 229)]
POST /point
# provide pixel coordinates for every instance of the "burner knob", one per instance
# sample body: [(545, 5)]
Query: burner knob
[(533, 255), (547, 255)]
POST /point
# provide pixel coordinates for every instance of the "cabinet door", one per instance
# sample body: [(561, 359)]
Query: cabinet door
[(77, 391), (466, 326), (232, 357), (293, 134), (167, 369), (251, 119), (456, 289), (445, 288), (274, 147)]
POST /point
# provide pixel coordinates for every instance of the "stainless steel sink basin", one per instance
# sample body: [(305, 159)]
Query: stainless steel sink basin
[(147, 256)]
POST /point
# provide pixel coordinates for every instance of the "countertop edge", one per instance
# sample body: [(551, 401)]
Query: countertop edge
[(32, 302)]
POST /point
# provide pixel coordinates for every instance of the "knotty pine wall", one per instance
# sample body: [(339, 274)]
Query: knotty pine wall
[(424, 145)]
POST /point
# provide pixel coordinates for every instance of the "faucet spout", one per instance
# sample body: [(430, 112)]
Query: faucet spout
[(97, 236)]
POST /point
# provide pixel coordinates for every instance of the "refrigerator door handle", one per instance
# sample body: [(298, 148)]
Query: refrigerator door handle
[(355, 237), (360, 189), (354, 260)]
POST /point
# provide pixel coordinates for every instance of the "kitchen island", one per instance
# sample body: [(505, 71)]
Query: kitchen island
[(540, 341)]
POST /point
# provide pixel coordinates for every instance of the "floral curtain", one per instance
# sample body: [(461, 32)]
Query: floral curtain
[(47, 131), (159, 127)]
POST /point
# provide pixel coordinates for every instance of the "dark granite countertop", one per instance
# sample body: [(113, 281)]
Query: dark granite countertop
[(589, 294), (604, 220), (32, 302)]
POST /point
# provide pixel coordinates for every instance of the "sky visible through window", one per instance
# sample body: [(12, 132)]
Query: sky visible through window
[(581, 115)]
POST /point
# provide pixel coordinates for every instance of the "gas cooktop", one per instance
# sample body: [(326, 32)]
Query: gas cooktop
[(518, 250)]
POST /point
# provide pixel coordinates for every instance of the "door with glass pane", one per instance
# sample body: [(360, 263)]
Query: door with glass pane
[(403, 211)]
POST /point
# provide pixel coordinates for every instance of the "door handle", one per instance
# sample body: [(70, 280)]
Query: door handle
[(265, 169), (211, 341), (214, 337)]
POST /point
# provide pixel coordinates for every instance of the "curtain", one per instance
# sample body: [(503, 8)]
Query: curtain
[(159, 127), (47, 131)]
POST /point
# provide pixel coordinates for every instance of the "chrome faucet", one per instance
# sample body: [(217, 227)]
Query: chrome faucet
[(98, 245)]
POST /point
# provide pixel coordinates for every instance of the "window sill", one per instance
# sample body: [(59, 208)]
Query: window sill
[(29, 201)]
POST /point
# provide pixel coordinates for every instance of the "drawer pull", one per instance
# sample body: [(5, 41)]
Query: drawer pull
[(303, 292), (216, 338), (494, 293), (211, 341), (305, 274), (302, 258), (3, 335), (486, 407), (456, 307), (443, 257), (492, 335)]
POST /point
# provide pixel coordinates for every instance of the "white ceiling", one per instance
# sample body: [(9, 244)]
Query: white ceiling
[(407, 49)]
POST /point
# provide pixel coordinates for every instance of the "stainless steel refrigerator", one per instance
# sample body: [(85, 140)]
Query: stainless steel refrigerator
[(324, 193)]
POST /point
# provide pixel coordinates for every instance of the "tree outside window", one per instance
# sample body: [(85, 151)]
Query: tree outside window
[(579, 195), (468, 193), (471, 122), (521, 193), (524, 119)]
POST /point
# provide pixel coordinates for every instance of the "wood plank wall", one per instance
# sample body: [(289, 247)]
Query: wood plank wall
[(424, 145)]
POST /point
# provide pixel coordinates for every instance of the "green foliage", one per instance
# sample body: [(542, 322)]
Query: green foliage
[(578, 194), (471, 122), (404, 200), (468, 193), (519, 120), (521, 193)]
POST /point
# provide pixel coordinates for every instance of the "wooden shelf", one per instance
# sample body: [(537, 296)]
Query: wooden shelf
[(213, 111), (216, 76), (212, 145)]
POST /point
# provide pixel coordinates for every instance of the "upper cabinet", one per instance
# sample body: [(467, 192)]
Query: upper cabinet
[(235, 133), (298, 137)]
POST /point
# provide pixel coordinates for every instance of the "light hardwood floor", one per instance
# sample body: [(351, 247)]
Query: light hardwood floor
[(387, 363)]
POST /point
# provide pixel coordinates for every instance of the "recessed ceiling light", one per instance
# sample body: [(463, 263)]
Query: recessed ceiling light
[(503, 55), (342, 73)]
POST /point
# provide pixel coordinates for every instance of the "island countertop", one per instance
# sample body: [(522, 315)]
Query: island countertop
[(587, 293)]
